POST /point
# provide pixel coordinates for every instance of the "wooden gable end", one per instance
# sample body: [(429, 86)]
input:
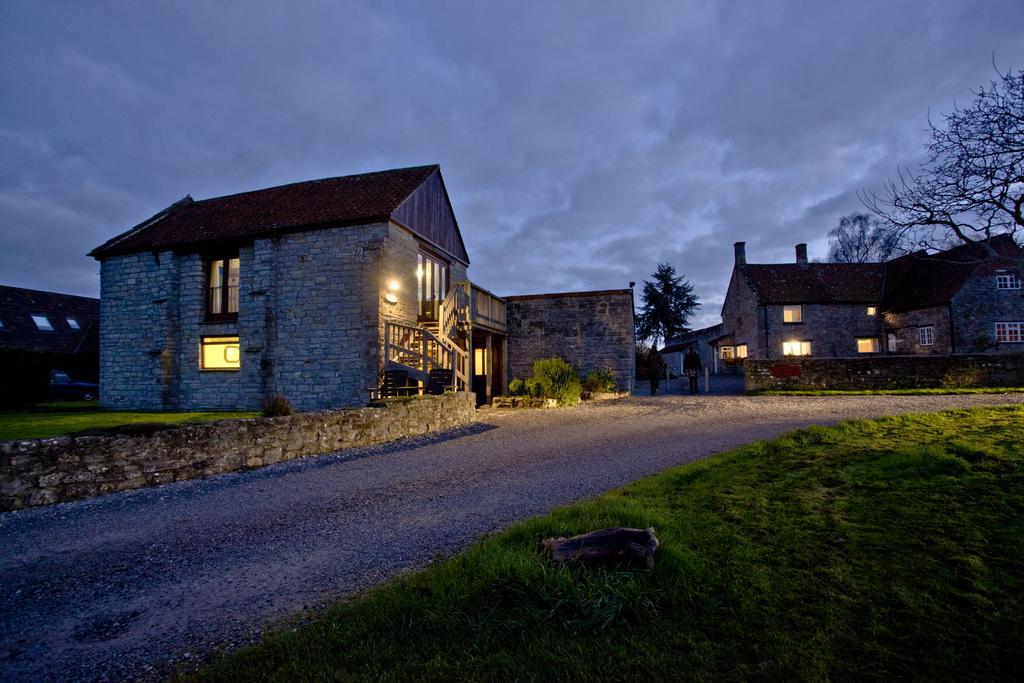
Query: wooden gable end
[(428, 213)]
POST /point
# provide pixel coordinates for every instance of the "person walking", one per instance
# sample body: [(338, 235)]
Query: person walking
[(655, 368), (692, 367)]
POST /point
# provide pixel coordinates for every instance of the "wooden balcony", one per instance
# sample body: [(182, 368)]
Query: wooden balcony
[(487, 311)]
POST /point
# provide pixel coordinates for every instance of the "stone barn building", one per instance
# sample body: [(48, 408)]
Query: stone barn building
[(317, 290)]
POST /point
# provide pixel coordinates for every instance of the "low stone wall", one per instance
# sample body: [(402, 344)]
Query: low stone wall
[(885, 372), (44, 471)]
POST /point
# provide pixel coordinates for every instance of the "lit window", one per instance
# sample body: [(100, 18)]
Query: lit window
[(73, 324), (1010, 333), (741, 350), (431, 284), (42, 322), (727, 352), (480, 361), (926, 335), (1007, 281), (872, 310), (220, 353), (224, 278), (793, 314), (868, 345), (796, 348)]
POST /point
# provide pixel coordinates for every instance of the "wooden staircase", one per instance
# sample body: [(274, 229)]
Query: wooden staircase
[(418, 350)]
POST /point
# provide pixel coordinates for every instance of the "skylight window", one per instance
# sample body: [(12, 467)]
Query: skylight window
[(73, 324), (42, 322)]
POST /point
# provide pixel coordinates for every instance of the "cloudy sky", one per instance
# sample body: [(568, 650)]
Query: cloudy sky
[(581, 142)]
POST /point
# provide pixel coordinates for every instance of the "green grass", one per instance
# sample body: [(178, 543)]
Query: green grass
[(887, 392), (59, 419), (881, 549)]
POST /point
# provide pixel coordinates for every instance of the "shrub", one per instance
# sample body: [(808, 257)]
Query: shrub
[(517, 387), (276, 406), (600, 380), (557, 380), (532, 387)]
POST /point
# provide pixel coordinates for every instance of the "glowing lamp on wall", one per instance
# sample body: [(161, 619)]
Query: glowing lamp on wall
[(391, 295)]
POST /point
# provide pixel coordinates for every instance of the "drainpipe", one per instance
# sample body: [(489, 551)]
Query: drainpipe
[(952, 333)]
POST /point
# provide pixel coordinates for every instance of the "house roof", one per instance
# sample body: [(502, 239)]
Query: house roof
[(922, 280), (918, 280), (681, 342), (19, 331), (328, 202), (822, 283)]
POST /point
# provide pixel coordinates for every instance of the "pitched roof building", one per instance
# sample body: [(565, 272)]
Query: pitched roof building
[(35, 320), (965, 299)]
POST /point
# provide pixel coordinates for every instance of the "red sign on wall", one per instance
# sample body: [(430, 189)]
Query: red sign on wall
[(785, 370)]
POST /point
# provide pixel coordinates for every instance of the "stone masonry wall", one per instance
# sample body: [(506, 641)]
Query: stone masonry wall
[(906, 327), (742, 318), (309, 312), (590, 330), (44, 471), (832, 329), (977, 307), (885, 372)]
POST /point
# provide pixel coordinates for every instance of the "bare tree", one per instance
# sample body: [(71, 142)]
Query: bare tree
[(971, 188), (862, 238)]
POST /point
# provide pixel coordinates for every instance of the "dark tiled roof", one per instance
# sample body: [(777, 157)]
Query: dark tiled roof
[(681, 342), (17, 306), (920, 280), (818, 283), (347, 200)]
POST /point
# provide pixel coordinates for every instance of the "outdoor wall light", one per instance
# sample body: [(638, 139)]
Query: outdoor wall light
[(394, 285), (391, 298)]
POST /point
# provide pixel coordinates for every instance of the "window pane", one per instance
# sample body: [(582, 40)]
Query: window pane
[(868, 345), (73, 324), (233, 278), (220, 353), (741, 351), (792, 314), (216, 285), (42, 322)]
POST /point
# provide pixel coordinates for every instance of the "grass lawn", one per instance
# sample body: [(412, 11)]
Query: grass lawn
[(881, 549), (58, 419), (888, 392)]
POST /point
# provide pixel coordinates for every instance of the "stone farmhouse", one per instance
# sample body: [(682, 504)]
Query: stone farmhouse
[(314, 290), (955, 301)]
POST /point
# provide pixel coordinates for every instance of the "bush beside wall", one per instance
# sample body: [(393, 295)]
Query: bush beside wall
[(885, 372), (44, 471)]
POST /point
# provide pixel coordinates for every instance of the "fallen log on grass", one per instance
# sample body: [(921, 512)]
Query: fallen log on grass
[(617, 545)]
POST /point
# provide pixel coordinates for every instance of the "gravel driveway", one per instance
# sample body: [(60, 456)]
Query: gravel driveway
[(126, 585)]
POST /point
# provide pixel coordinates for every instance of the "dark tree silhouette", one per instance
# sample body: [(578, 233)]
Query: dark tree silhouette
[(668, 303), (971, 188), (862, 238)]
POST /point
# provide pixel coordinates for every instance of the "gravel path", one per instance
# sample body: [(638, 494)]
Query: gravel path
[(126, 585)]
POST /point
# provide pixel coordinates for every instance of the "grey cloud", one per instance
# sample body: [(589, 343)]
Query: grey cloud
[(582, 144)]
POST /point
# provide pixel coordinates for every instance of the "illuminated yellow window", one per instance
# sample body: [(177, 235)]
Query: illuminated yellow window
[(793, 314), (727, 352), (796, 348), (872, 310), (480, 361), (220, 353), (868, 345), (741, 350)]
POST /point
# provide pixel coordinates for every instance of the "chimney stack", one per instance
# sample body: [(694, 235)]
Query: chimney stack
[(741, 253), (801, 254)]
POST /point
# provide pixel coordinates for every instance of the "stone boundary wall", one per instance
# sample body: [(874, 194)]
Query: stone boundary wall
[(589, 330), (44, 471), (885, 372)]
